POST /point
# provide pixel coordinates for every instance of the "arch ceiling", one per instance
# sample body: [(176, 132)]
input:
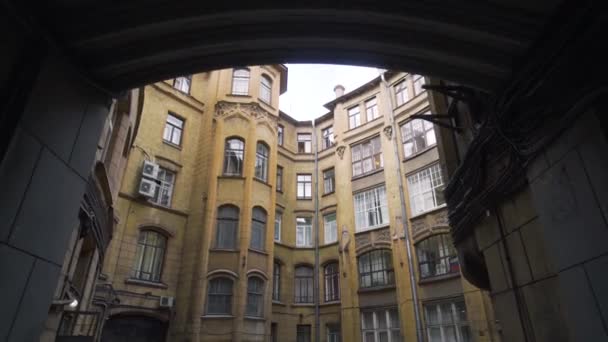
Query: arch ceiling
[(122, 44)]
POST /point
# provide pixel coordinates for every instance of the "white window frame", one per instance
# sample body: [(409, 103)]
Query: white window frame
[(367, 157), (306, 139), (240, 81), (419, 130), (281, 135), (266, 89), (164, 186), (354, 117), (303, 232), (426, 184), (278, 220), (174, 129), (389, 330), (150, 257), (329, 183), (453, 321), (306, 188), (183, 83), (419, 81), (371, 204), (401, 92), (262, 156), (330, 228), (327, 136), (371, 109)]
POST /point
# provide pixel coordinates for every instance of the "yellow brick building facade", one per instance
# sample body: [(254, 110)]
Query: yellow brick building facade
[(239, 223)]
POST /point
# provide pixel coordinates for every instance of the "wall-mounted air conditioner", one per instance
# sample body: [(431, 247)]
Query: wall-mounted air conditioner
[(147, 187), (166, 302), (150, 169)]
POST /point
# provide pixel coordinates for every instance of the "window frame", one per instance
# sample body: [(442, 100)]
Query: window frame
[(375, 110), (448, 261), (238, 79), (303, 333), (413, 139), (327, 239), (417, 194), (363, 210), (306, 184), (387, 269), (226, 219), (278, 218), (266, 88), (276, 281), (279, 181), (236, 152), (334, 333), (307, 280), (164, 184), (376, 157), (376, 328), (228, 311), (307, 144), (329, 177), (455, 319), (158, 253), (261, 173), (188, 80), (354, 118), (280, 135), (256, 294), (327, 137), (258, 224), (416, 80), (173, 127), (401, 88), (306, 230), (331, 282)]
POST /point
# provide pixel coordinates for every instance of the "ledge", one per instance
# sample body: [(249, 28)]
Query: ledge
[(335, 243), (262, 182), (377, 289), (257, 251), (239, 95), (230, 177), (417, 154), (224, 250), (217, 317), (145, 283), (168, 143), (274, 302), (443, 206), (332, 303), (439, 278), (254, 318), (328, 194), (303, 305), (367, 174), (373, 229), (142, 201)]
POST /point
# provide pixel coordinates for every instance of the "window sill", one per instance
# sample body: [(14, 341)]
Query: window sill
[(304, 305), (376, 289), (327, 148), (262, 181), (280, 191), (254, 318), (257, 251), (239, 95), (417, 154), (178, 147), (328, 194), (305, 247), (333, 302), (266, 103), (231, 177), (372, 229), (146, 283), (304, 198), (335, 243), (430, 211), (367, 174), (439, 278), (223, 250), (275, 302), (305, 153), (217, 316)]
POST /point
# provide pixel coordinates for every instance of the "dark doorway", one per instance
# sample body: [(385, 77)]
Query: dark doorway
[(134, 329)]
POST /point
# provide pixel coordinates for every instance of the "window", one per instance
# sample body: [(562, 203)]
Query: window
[(331, 274), (354, 117), (281, 135), (279, 178), (261, 162), (331, 228), (258, 229), (164, 191), (333, 333), (173, 130), (265, 89), (183, 83), (437, 256), (371, 108), (304, 143), (276, 282), (304, 186), (278, 218), (376, 269), (426, 189), (417, 136), (447, 321), (227, 227), (255, 297), (328, 137), (371, 210), (240, 82), (149, 256), (303, 333), (381, 325), (303, 291), (367, 157), (234, 150), (303, 232), (329, 179), (401, 95), (219, 296), (418, 83)]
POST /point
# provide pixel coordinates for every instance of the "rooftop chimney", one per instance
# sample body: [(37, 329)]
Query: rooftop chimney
[(339, 90)]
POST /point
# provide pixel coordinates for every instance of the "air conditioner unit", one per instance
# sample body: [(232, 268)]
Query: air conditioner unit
[(166, 302), (147, 187), (150, 169)]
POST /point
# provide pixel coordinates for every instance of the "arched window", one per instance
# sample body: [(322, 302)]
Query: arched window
[(258, 228), (376, 269), (265, 89), (234, 151), (149, 256), (240, 81), (219, 296), (261, 161), (437, 256), (255, 297), (276, 282), (227, 227), (331, 274), (303, 291)]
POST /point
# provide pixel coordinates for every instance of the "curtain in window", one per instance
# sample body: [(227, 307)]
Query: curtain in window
[(234, 150), (149, 256), (240, 82), (227, 227), (303, 290), (261, 162), (258, 228), (219, 298)]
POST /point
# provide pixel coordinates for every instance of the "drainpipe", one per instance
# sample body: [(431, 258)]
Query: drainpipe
[(406, 233), (316, 226)]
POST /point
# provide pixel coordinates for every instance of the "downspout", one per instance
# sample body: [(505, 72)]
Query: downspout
[(406, 233), (316, 229)]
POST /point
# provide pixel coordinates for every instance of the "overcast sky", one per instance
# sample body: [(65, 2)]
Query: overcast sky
[(309, 86)]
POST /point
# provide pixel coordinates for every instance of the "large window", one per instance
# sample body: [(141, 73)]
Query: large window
[(279, 178), (281, 135), (255, 297), (164, 191), (303, 232), (227, 227), (371, 210), (401, 95), (234, 150), (328, 137), (354, 117), (183, 83), (437, 256), (418, 83), (219, 296), (333, 333), (376, 269), (304, 186), (303, 333), (371, 109), (426, 189), (380, 325), (329, 179), (304, 143), (258, 229), (367, 157), (303, 291), (174, 128), (261, 162), (417, 136), (447, 322), (331, 228), (265, 89), (278, 221), (331, 274), (276, 282), (240, 82), (149, 256)]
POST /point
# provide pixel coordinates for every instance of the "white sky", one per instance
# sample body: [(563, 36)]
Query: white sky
[(309, 86)]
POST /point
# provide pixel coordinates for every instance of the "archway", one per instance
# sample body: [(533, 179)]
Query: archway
[(134, 328)]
